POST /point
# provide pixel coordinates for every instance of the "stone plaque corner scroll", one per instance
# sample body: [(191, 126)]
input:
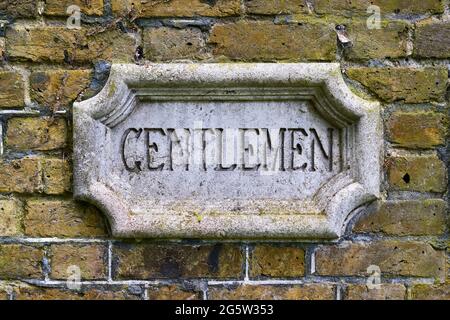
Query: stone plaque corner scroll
[(236, 151)]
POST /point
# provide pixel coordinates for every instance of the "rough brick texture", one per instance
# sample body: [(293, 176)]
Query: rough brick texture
[(382, 292), (394, 258), (62, 218), (409, 85), (58, 44), (174, 44), (59, 7), (432, 39), (90, 259), (41, 134), (417, 129), (20, 262), (58, 88), (172, 261), (345, 7), (177, 8), (407, 217), (45, 235), (266, 292), (265, 41), (11, 215), (12, 92), (388, 42), (269, 261), (417, 173)]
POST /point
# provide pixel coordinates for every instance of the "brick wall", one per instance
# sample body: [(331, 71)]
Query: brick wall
[(45, 67)]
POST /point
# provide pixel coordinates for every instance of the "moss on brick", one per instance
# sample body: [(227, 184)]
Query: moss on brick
[(403, 84)]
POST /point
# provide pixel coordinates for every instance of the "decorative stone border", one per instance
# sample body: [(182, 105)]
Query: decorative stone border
[(320, 83)]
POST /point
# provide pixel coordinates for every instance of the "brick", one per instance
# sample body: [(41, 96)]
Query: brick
[(273, 292), (385, 292), (409, 85), (273, 7), (173, 292), (59, 7), (388, 42), (18, 8), (417, 129), (27, 292), (145, 261), (177, 8), (35, 175), (90, 258), (57, 176), (60, 44), (20, 262), (432, 39), (264, 41), (394, 258), (417, 173), (41, 134), (405, 218), (62, 218), (350, 8), (270, 261), (58, 88), (12, 93), (169, 44), (430, 292), (22, 175), (10, 218)]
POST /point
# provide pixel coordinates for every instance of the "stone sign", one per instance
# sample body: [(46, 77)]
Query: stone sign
[(239, 151)]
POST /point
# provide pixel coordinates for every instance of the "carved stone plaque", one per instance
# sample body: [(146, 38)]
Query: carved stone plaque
[(239, 151)]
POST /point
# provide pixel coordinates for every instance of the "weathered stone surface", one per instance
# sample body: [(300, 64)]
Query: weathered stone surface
[(385, 292), (148, 261), (172, 292), (20, 262), (432, 39), (265, 41), (272, 292), (430, 292), (90, 258), (271, 261), (388, 42), (276, 6), (417, 129), (62, 218), (10, 218), (27, 292), (394, 258), (417, 173), (41, 134), (224, 186), (12, 93), (350, 8), (18, 8), (60, 44), (409, 85), (59, 7), (171, 44), (177, 8), (410, 217), (58, 88)]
